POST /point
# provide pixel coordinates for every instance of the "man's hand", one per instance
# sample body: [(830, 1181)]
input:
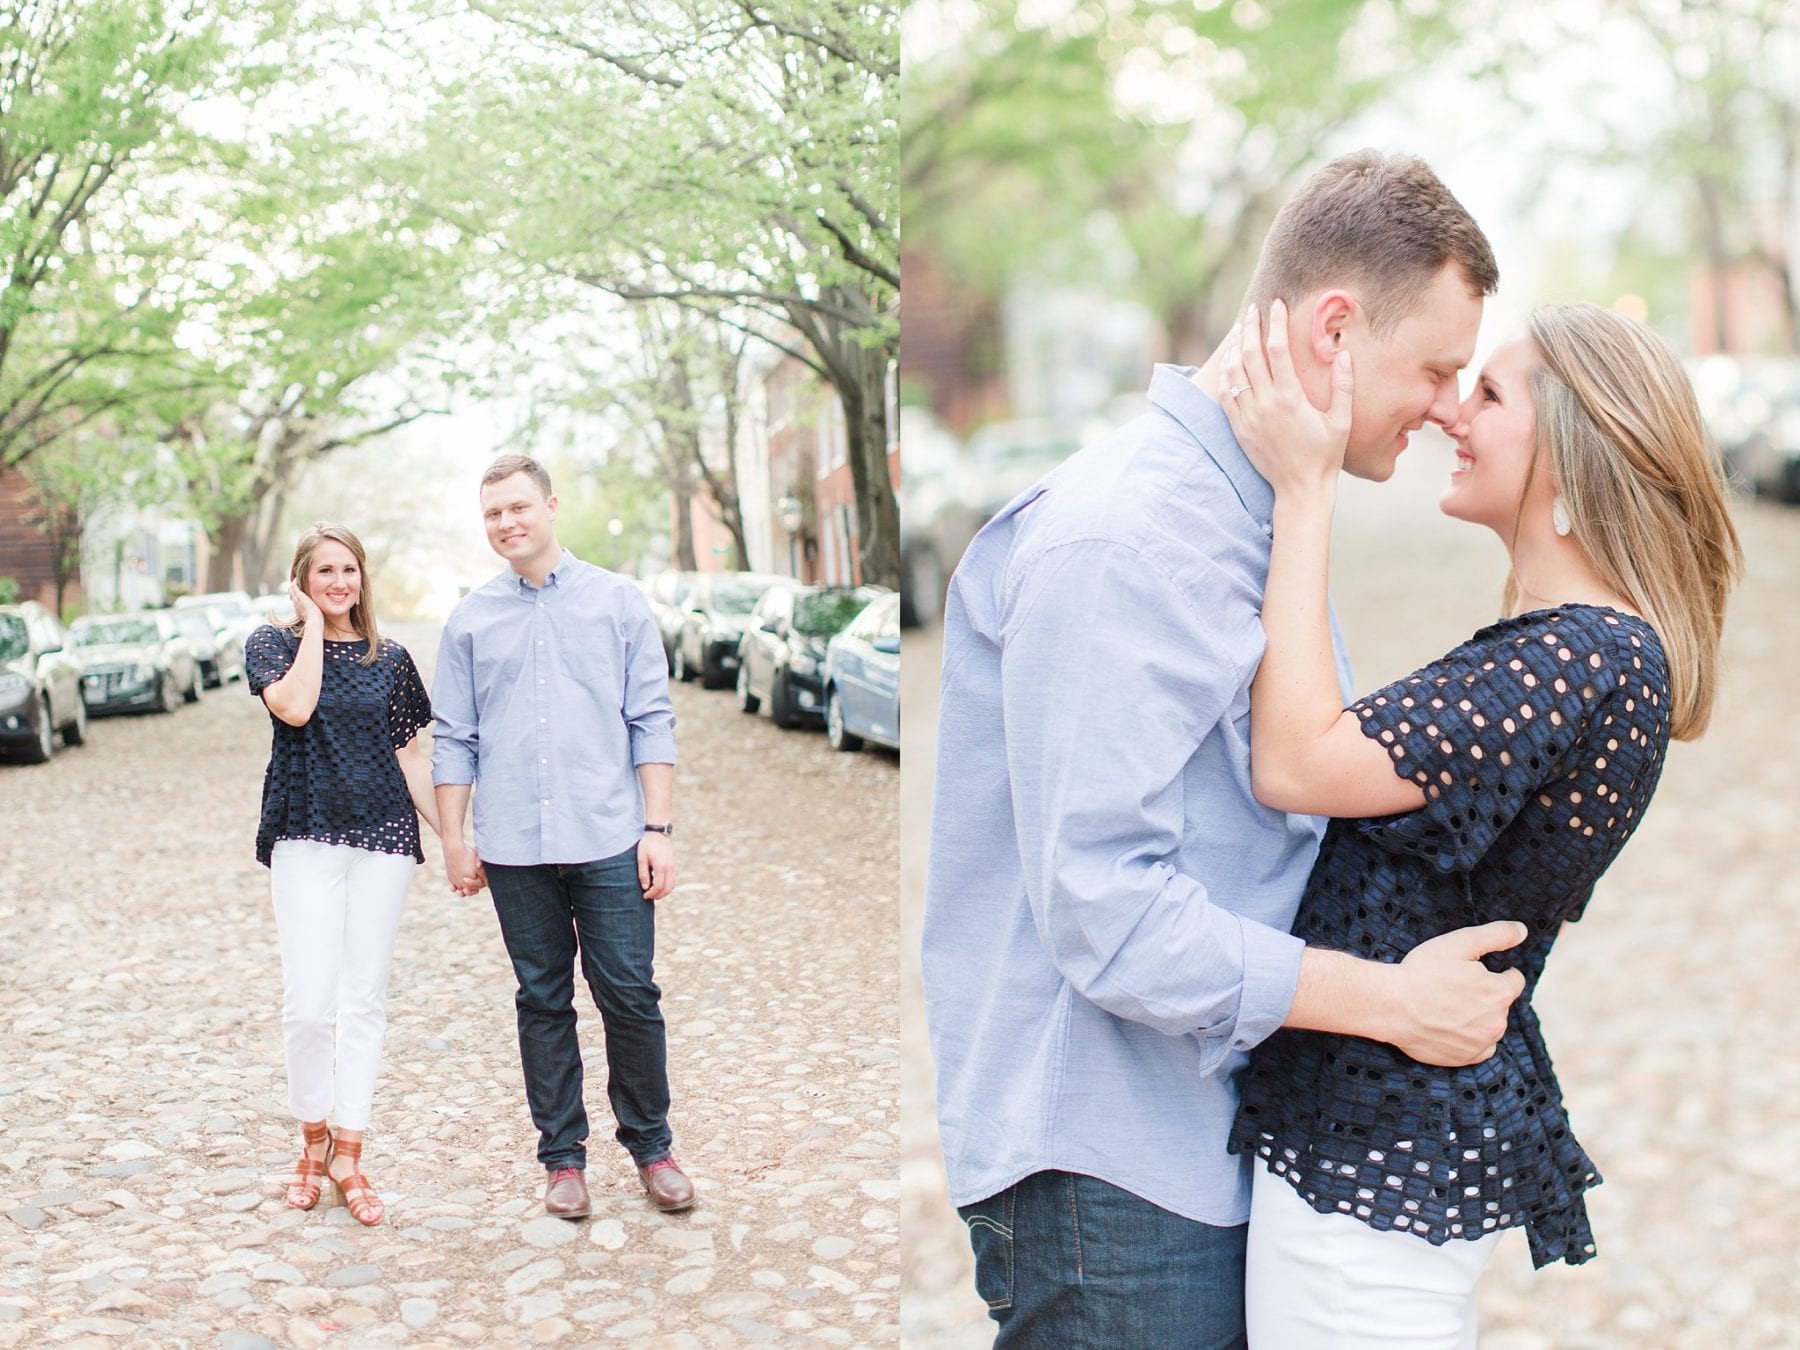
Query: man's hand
[(462, 868), (1450, 1009), (656, 865)]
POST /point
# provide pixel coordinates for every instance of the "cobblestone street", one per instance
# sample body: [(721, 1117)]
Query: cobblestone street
[(1670, 1009), (144, 1135)]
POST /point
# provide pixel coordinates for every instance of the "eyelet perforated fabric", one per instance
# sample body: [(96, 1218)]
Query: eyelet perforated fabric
[(1538, 743), (336, 779)]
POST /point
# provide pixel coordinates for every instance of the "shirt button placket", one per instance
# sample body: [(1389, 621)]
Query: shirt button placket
[(540, 620)]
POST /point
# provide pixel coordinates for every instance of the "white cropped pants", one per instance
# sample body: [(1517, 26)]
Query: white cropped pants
[(1330, 1282), (338, 910)]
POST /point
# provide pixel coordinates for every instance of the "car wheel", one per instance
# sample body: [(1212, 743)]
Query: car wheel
[(781, 701), (43, 744), (75, 732), (679, 667), (835, 732), (193, 690), (166, 693), (747, 701)]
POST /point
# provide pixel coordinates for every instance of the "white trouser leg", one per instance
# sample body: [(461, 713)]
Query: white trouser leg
[(378, 883), (307, 881), (1330, 1282), (337, 910)]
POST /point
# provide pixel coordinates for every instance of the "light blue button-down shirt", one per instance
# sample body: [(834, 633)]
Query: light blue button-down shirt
[(1107, 903), (548, 700)]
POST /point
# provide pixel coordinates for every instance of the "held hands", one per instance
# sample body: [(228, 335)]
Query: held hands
[(1292, 444), (463, 869), (656, 865), (306, 608), (1452, 1008)]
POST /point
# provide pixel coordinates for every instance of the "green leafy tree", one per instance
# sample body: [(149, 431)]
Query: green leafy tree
[(89, 94), (1134, 146), (728, 157)]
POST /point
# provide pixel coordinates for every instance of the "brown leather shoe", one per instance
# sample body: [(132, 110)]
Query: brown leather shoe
[(566, 1196), (667, 1185)]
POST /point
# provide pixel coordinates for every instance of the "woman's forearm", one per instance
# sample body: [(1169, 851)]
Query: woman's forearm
[(1295, 700), (417, 770), (295, 695)]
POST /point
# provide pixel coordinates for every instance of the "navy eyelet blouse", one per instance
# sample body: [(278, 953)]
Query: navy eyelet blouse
[(336, 779), (1538, 742)]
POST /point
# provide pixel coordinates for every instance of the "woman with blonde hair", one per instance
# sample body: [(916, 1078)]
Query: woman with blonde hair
[(346, 783), (1496, 783)]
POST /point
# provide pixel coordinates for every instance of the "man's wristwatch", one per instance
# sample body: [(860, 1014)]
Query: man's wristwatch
[(668, 830)]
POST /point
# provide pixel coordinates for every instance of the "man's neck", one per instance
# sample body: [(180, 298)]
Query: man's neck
[(537, 568)]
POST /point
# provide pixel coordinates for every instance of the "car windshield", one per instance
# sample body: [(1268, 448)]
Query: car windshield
[(103, 632), (194, 623), (14, 642), (827, 612), (736, 597)]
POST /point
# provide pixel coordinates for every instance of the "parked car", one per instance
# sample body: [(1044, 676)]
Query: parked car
[(1752, 407), (270, 609), (134, 662), (862, 679), (783, 649), (718, 608), (238, 609), (40, 684), (216, 648), (668, 594)]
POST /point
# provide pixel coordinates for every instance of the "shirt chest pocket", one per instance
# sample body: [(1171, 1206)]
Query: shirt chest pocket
[(592, 664)]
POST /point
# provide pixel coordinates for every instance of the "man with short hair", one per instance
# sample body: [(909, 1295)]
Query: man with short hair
[(551, 691), (1107, 904)]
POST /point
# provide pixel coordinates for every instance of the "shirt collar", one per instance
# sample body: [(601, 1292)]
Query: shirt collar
[(1173, 390), (553, 577)]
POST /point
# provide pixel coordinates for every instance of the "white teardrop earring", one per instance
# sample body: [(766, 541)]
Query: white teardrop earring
[(1559, 516)]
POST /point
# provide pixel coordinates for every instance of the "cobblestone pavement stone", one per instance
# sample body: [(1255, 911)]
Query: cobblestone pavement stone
[(144, 1136), (1670, 1008)]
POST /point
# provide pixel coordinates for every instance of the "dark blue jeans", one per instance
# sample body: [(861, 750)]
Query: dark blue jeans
[(549, 915), (1068, 1262)]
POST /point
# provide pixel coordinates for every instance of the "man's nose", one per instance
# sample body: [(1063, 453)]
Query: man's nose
[(1445, 409), (1457, 428)]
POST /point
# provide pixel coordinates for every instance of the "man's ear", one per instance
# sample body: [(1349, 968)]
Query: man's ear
[(1333, 315)]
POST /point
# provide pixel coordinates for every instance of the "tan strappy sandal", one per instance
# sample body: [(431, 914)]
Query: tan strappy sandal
[(356, 1191), (303, 1190)]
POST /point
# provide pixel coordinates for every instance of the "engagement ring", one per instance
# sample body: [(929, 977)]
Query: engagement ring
[(1235, 392)]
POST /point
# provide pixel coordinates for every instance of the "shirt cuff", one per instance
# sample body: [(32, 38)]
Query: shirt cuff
[(1271, 978), (652, 747), (451, 766)]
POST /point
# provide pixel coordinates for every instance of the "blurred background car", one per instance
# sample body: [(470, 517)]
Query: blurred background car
[(270, 609), (1752, 408), (215, 646), (718, 609), (956, 494), (40, 685), (782, 654), (668, 594), (862, 679), (236, 607), (134, 662)]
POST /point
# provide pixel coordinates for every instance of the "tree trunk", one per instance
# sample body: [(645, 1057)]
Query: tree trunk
[(877, 509), (681, 488), (226, 538)]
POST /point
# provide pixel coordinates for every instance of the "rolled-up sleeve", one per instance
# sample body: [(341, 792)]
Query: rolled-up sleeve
[(1110, 681), (649, 715), (455, 725)]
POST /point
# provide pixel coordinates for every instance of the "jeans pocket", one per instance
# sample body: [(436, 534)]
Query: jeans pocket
[(990, 1224)]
